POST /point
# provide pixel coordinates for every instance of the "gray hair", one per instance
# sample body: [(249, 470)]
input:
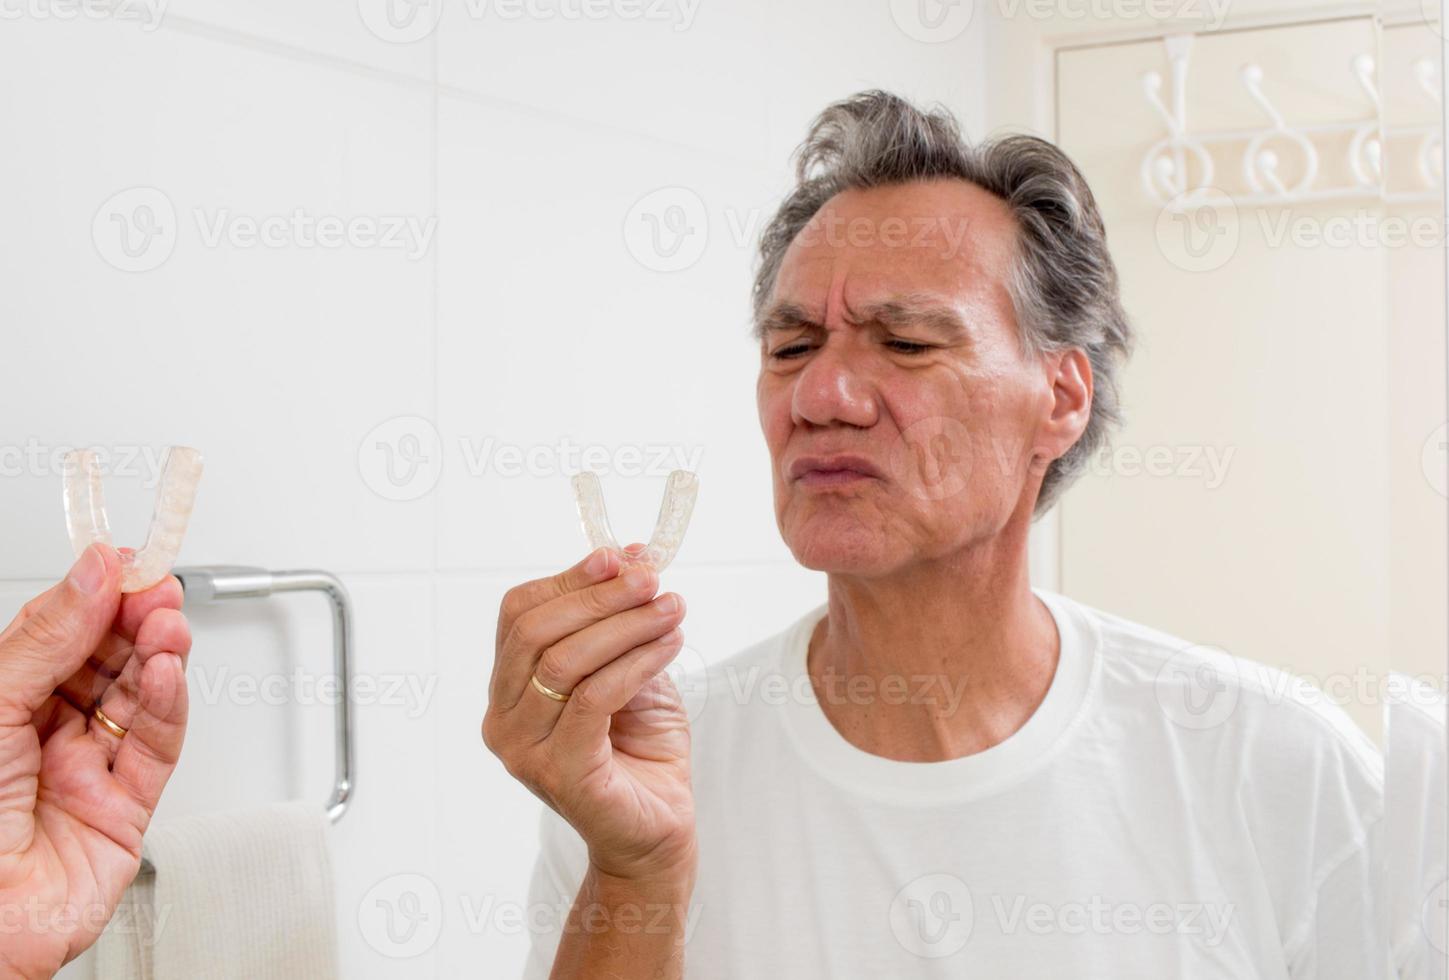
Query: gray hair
[(1063, 284)]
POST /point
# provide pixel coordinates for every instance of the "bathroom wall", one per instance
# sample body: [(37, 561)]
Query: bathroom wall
[(1296, 512), (1316, 361), (396, 278)]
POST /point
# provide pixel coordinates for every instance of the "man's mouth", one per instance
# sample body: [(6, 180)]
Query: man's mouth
[(832, 471)]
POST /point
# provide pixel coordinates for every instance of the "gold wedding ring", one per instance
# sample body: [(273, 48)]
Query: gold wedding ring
[(546, 691), (106, 723)]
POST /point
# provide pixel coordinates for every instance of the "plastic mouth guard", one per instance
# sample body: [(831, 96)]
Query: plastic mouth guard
[(85, 514), (679, 493)]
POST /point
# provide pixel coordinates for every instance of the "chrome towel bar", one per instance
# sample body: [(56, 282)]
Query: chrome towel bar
[(213, 583)]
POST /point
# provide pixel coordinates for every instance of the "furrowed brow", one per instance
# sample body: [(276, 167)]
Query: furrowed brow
[(905, 313), (783, 317)]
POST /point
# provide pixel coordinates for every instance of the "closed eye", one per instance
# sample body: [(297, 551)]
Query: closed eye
[(789, 351), (907, 346)]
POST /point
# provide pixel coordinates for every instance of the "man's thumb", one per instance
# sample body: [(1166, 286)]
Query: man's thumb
[(55, 638)]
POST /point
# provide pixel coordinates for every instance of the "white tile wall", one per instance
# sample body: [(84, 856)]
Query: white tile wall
[(738, 79), (274, 361), (361, 408), (361, 32), (553, 334)]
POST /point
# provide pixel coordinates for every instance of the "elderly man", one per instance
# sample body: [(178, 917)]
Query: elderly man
[(981, 779)]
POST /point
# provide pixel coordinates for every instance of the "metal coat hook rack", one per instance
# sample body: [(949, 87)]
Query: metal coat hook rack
[(1179, 168)]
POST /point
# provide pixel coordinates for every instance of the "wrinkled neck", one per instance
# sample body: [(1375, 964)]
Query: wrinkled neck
[(941, 658)]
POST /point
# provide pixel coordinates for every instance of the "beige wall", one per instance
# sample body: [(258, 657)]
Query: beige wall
[(1290, 382)]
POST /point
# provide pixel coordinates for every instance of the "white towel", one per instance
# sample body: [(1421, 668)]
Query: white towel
[(228, 896)]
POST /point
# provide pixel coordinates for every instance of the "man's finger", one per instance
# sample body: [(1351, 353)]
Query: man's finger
[(587, 714), (581, 653), (165, 631), (136, 606), (545, 625), (56, 638), (148, 754), (108, 661), (598, 565), (28, 610)]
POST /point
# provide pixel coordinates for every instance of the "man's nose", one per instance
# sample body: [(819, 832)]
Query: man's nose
[(832, 388)]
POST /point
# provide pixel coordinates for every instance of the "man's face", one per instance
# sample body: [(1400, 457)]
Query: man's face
[(903, 419)]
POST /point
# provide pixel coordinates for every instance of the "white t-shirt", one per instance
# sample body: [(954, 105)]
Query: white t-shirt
[(1416, 865), (1166, 812)]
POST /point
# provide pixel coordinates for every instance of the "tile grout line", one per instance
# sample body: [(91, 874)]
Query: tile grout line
[(460, 94), (434, 625), (294, 52), (320, 59)]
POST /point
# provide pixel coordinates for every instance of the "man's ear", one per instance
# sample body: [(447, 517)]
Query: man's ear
[(1069, 372)]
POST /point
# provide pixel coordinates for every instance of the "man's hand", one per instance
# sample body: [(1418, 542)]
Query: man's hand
[(613, 759), (75, 798)]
